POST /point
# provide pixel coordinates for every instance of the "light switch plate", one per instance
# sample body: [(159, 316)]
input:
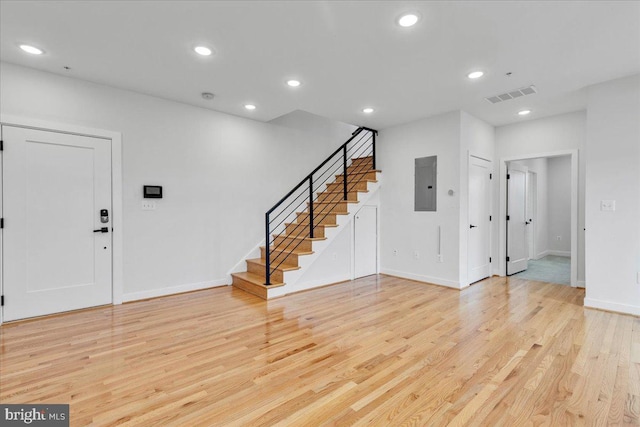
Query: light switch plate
[(148, 205), (608, 205)]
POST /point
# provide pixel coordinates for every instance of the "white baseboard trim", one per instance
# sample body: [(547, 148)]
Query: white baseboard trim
[(172, 290), (541, 255), (305, 286), (421, 278), (560, 253), (612, 306), (581, 284)]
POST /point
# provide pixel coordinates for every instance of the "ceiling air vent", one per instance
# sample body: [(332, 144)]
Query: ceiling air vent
[(530, 90)]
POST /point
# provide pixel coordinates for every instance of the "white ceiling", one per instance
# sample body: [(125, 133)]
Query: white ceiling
[(348, 54)]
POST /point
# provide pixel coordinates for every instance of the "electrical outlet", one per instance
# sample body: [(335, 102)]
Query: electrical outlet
[(395, 252), (335, 256), (440, 258), (148, 205), (416, 254)]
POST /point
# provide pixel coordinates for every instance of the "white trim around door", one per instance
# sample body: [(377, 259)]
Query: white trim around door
[(116, 184), (500, 266)]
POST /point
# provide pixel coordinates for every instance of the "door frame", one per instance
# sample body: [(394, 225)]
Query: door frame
[(500, 266), (116, 187)]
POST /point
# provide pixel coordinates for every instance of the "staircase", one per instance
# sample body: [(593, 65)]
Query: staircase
[(308, 215)]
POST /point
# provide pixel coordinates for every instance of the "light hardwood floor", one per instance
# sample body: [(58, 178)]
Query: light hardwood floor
[(378, 351)]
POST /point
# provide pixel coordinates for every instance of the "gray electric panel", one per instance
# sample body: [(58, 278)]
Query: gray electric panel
[(426, 172)]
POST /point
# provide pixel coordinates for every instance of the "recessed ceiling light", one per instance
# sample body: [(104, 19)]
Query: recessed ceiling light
[(207, 95), (202, 50), (408, 20), (250, 106), (524, 112), (475, 74), (31, 49), (367, 110), (293, 83)]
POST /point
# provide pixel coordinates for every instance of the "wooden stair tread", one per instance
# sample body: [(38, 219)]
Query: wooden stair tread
[(299, 237), (256, 279), (333, 202), (314, 225), (360, 172), (289, 251), (283, 266), (349, 183), (342, 191), (327, 212)]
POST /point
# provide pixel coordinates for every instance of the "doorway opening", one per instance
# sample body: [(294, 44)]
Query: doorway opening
[(539, 219), (538, 233)]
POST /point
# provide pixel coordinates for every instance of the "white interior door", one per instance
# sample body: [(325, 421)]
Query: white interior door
[(479, 264), (366, 242), (532, 195), (54, 188), (517, 247)]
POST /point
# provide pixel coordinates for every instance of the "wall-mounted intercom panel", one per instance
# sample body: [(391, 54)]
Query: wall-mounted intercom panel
[(152, 192)]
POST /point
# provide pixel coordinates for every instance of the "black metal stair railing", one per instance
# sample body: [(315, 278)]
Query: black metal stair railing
[(361, 144)]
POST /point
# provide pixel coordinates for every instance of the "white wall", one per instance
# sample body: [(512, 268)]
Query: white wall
[(559, 206), (452, 137), (220, 174), (477, 136), (613, 165), (527, 140), (316, 125), (333, 265), (402, 228)]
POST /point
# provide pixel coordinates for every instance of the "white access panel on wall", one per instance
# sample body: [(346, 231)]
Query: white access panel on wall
[(366, 242), (58, 222)]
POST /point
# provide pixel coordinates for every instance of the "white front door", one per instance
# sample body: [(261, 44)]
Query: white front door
[(479, 264), (517, 247), (366, 242), (57, 248)]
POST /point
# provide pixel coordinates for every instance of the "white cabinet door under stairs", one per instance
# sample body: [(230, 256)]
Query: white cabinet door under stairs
[(365, 245)]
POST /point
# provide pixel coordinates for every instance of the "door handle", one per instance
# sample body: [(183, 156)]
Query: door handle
[(527, 223), (102, 230), (472, 226)]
